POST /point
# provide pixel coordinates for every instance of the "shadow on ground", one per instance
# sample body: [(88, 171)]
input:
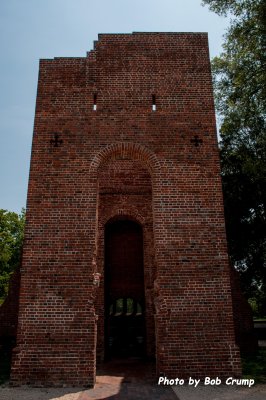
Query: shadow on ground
[(130, 379)]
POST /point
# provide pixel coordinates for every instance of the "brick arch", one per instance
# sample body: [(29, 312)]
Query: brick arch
[(127, 212), (130, 209), (134, 150), (131, 213)]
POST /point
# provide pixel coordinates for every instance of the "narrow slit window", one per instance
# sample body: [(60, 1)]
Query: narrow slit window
[(119, 306), (139, 309), (111, 310), (153, 102), (95, 102), (130, 306)]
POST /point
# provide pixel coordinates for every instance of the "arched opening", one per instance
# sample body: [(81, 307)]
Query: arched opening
[(125, 194), (124, 290)]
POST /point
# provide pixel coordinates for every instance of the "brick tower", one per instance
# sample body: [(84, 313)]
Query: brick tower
[(125, 250)]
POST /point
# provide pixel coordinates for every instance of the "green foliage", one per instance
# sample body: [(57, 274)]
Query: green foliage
[(254, 367), (239, 83), (11, 238), (254, 306)]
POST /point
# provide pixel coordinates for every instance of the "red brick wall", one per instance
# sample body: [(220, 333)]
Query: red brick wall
[(125, 159)]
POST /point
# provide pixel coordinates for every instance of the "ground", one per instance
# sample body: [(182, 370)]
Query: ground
[(130, 380), (133, 391)]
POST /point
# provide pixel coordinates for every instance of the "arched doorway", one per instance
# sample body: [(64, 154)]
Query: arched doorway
[(124, 290)]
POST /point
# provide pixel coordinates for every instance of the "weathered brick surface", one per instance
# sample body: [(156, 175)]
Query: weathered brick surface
[(125, 160)]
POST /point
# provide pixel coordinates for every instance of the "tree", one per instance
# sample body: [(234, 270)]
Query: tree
[(11, 238), (239, 75)]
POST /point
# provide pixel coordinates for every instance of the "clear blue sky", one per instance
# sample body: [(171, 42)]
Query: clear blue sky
[(34, 29)]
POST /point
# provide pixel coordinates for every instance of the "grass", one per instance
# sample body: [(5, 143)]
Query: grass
[(254, 367)]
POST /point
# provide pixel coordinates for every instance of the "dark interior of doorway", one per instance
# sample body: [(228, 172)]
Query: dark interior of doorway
[(124, 290)]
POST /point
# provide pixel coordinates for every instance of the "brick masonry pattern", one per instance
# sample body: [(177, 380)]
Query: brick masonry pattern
[(124, 159)]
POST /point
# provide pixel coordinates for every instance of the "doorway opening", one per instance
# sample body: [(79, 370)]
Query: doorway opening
[(124, 290)]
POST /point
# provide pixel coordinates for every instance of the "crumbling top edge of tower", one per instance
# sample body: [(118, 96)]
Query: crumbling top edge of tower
[(102, 36), (150, 33)]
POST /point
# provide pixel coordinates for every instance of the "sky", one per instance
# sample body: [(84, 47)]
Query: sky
[(35, 29)]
